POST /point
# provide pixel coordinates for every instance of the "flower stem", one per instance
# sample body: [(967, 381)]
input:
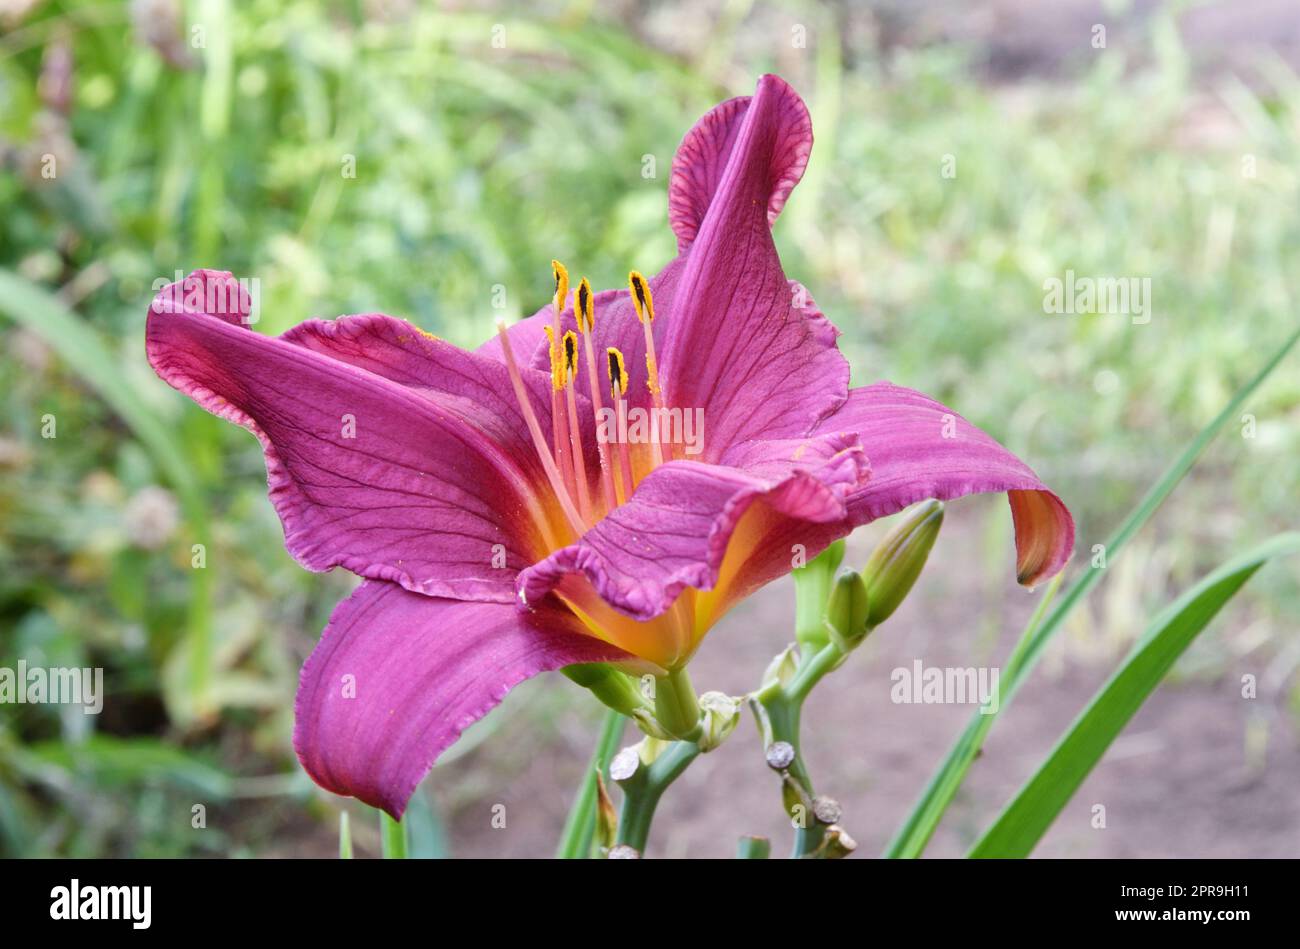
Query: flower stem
[(642, 791), (782, 709), (676, 706)]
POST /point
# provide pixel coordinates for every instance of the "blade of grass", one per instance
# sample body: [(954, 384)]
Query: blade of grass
[(394, 837), (575, 842), (1024, 821), (919, 826), (345, 837)]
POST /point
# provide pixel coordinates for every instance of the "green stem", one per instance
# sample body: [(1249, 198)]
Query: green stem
[(676, 706), (580, 827), (784, 708), (641, 792), (811, 672)]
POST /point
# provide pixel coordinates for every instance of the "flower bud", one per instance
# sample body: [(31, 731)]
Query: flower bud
[(897, 562), (812, 584), (847, 610), (721, 715)]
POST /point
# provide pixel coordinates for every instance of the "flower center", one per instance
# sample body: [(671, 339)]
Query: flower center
[(585, 500), (564, 459)]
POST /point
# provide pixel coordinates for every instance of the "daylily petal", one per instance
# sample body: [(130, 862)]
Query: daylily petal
[(920, 449), (473, 385), (702, 157), (397, 677), (676, 529), (743, 343), (389, 481)]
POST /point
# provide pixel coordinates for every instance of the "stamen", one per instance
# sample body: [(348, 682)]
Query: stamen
[(561, 285), (535, 430), (560, 420), (584, 308), (575, 431), (618, 389), (617, 374), (644, 302)]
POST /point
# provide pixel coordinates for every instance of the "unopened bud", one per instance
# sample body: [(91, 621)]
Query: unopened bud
[(847, 610), (897, 562), (721, 714)]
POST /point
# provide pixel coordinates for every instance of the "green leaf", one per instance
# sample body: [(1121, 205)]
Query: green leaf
[(345, 836), (393, 833), (580, 826), (107, 760), (916, 830), (1027, 817)]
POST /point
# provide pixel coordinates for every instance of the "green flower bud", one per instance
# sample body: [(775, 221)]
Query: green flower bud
[(847, 611), (897, 562), (812, 584), (721, 715)]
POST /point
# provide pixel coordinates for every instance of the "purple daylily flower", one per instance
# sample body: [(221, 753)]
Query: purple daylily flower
[(499, 536)]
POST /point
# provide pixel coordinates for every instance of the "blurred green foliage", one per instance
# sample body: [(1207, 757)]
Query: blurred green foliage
[(222, 134)]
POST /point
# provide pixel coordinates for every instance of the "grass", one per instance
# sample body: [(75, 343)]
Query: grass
[(474, 166)]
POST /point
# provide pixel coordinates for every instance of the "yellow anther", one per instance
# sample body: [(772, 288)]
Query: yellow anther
[(584, 307), (617, 373), (641, 298), (570, 355), (561, 284), (558, 375)]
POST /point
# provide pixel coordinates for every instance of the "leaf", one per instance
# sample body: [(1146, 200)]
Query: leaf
[(345, 836), (393, 835), (1027, 817), (917, 828), (129, 762), (580, 827)]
